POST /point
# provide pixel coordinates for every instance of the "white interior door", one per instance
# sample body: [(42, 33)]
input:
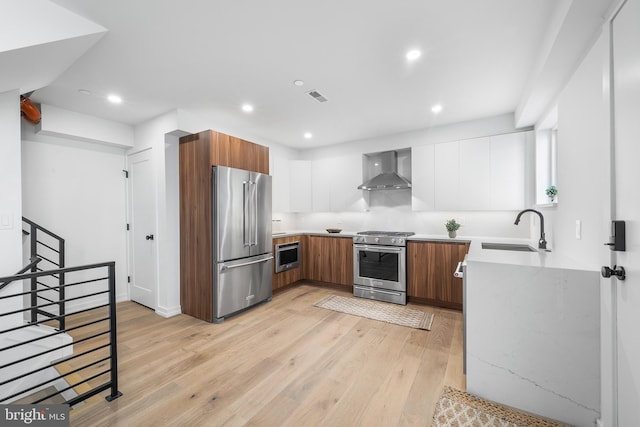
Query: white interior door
[(142, 229), (626, 122)]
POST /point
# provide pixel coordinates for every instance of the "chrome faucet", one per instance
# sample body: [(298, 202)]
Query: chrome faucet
[(542, 243)]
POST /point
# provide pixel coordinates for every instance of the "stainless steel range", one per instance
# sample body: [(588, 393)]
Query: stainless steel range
[(380, 265)]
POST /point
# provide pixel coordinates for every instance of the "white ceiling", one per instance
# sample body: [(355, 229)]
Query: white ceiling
[(211, 56)]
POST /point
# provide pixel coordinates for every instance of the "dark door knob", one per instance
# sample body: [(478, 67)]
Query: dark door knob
[(615, 271), (149, 237)]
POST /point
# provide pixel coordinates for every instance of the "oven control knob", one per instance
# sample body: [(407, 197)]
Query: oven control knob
[(393, 241), (377, 240), (401, 241)]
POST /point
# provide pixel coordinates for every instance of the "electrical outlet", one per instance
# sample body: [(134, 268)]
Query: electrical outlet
[(578, 229)]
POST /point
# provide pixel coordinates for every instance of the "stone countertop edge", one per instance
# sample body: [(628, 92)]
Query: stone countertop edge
[(540, 258)]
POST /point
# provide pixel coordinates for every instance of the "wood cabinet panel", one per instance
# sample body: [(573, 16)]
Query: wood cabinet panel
[(238, 153), (430, 267), (421, 282), (198, 152), (341, 261), (329, 259), (195, 228), (262, 159)]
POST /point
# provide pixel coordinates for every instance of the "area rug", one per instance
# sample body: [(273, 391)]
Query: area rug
[(385, 312), (459, 409)]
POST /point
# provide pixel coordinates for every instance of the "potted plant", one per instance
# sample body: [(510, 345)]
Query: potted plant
[(452, 226), (552, 192)]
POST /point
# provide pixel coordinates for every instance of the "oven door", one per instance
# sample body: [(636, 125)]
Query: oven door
[(287, 256), (380, 267)]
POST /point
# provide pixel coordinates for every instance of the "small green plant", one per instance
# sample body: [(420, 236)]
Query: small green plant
[(452, 225), (552, 191)]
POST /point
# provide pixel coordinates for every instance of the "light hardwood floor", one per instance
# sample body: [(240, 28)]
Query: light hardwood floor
[(282, 363)]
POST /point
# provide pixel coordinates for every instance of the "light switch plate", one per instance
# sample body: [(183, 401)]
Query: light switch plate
[(6, 220)]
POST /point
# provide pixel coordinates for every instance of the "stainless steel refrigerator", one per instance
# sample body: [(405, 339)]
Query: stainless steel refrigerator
[(242, 256)]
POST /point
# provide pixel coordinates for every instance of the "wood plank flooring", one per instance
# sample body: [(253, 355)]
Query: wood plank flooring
[(282, 363)]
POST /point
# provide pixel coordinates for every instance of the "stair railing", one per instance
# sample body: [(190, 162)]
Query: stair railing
[(49, 247), (93, 352)]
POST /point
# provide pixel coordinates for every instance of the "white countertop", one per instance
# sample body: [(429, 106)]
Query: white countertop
[(540, 258)]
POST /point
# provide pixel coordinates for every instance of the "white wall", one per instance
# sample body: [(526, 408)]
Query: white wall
[(77, 190), (10, 200), (583, 159), (154, 134), (82, 127), (392, 209)]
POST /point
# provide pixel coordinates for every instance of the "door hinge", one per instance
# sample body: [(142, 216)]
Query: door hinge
[(126, 173), (128, 279), (127, 226)]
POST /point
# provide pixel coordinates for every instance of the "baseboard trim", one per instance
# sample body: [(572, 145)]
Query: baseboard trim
[(168, 311)]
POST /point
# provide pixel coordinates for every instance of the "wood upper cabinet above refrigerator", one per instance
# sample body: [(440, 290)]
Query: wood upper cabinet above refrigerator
[(234, 152)]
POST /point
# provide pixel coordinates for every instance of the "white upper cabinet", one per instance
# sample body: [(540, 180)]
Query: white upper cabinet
[(334, 183), (447, 176), (321, 183), (423, 178), (345, 175), (508, 168), (300, 186), (475, 174), (280, 183)]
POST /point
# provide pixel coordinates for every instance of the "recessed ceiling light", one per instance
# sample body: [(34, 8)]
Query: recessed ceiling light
[(247, 108), (436, 108), (84, 91), (114, 99), (298, 82), (414, 54), (308, 135)]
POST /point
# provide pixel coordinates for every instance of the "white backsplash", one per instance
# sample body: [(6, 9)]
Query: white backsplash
[(402, 218)]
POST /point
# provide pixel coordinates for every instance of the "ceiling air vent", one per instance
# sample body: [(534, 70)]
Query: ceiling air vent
[(317, 96)]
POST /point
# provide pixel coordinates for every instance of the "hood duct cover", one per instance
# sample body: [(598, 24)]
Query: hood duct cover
[(388, 178)]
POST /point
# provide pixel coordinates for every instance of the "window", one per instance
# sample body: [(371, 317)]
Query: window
[(546, 159)]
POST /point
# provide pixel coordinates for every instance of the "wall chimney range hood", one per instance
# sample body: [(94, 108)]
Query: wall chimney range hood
[(387, 178)]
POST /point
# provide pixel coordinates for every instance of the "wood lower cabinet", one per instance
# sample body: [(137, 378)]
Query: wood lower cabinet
[(430, 267), (286, 278), (329, 259)]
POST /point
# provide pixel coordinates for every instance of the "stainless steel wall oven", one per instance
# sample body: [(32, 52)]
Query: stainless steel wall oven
[(380, 266), (287, 256)]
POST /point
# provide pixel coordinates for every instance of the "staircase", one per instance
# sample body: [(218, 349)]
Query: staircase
[(72, 356)]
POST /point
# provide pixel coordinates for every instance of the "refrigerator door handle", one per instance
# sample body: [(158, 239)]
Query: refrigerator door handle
[(244, 264), (246, 208), (254, 211)]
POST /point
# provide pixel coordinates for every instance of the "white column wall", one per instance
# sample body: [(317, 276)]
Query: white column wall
[(10, 200), (583, 161)]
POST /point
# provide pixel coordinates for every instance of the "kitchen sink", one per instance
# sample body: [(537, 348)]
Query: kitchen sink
[(508, 247)]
